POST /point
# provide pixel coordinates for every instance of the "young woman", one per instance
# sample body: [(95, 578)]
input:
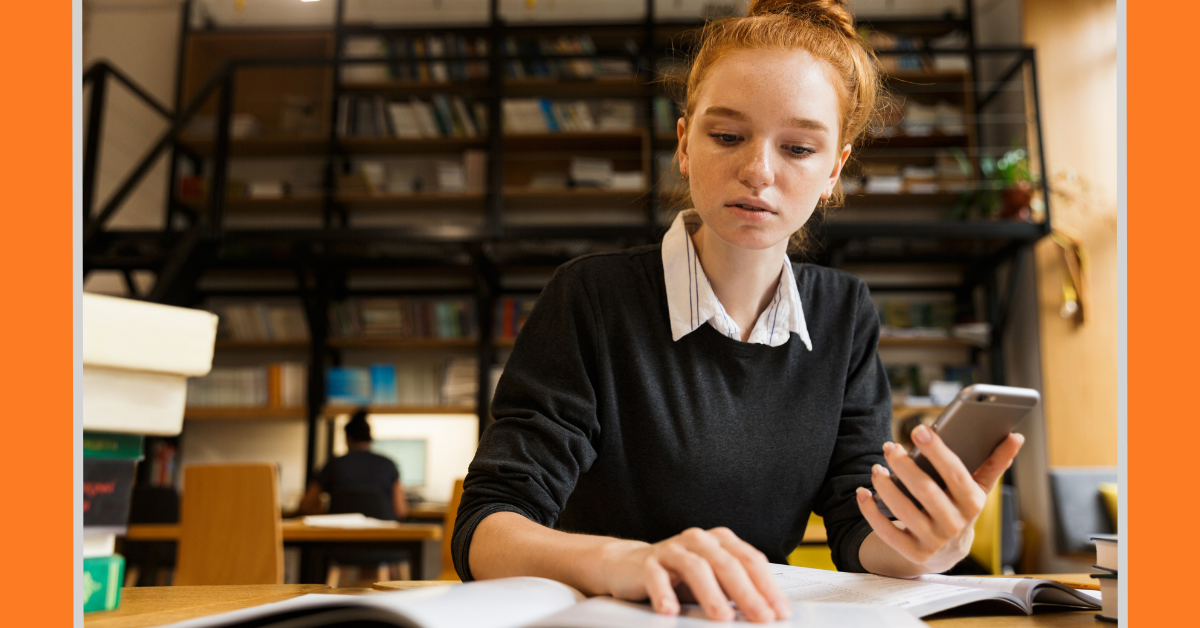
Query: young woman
[(671, 414)]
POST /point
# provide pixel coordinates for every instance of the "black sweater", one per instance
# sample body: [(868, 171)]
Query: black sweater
[(606, 426)]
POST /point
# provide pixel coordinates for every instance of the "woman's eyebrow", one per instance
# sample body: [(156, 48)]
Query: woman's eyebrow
[(734, 114)]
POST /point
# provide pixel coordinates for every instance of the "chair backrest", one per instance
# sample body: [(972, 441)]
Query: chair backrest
[(1079, 506), (369, 502), (230, 530), (448, 572), (987, 544)]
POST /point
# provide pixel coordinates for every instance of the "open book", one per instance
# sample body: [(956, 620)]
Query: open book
[(930, 594), (514, 603), (819, 598)]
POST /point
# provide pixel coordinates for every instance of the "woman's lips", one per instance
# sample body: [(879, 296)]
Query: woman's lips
[(753, 215)]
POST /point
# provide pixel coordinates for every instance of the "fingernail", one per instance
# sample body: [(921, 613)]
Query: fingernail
[(879, 470), (783, 610), (1020, 438), (921, 434), (862, 494), (887, 447)]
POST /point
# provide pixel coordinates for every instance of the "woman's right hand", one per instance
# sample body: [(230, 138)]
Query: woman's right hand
[(715, 565)]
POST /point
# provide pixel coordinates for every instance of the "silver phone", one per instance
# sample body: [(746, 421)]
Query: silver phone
[(972, 426)]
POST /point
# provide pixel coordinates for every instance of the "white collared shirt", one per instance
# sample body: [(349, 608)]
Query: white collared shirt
[(692, 303)]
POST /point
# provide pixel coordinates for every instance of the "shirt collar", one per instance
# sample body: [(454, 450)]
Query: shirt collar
[(692, 303)]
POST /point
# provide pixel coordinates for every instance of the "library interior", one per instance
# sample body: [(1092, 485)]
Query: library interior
[(313, 231)]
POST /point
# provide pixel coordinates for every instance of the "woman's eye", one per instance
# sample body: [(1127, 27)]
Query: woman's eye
[(799, 151), (725, 138)]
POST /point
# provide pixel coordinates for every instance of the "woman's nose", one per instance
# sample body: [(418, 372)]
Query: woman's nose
[(756, 172)]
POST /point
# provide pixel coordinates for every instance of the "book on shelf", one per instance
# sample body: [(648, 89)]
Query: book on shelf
[(404, 318), (262, 322), (429, 58), (666, 115), (438, 116), (452, 382), (542, 115), (364, 47), (163, 460), (460, 382), (276, 385), (536, 59), (511, 314)]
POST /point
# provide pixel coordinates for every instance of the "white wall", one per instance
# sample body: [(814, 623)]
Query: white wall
[(283, 442)]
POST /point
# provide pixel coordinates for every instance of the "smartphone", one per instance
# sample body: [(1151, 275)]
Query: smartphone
[(972, 426)]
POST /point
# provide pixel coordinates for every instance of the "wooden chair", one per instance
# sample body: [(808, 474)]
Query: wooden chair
[(448, 572), (230, 530)]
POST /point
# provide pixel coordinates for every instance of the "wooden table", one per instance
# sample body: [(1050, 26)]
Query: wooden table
[(294, 531), (427, 511), (142, 607), (318, 541)]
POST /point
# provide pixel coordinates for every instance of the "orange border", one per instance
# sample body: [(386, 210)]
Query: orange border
[(36, 177), (1163, 431)]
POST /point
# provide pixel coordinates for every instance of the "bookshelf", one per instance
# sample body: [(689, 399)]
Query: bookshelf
[(194, 413), (289, 87)]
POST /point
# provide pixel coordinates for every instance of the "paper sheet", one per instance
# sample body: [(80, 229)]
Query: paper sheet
[(817, 585), (610, 613)]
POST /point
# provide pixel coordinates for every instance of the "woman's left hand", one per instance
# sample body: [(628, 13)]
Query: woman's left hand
[(936, 538)]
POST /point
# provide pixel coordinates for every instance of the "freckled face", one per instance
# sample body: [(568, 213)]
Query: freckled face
[(762, 148)]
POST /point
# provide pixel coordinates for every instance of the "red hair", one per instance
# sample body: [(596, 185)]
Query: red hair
[(824, 29)]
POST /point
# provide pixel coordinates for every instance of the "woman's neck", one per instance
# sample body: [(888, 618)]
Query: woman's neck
[(744, 280)]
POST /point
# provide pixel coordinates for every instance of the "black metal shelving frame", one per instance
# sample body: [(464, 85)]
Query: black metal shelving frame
[(195, 240)]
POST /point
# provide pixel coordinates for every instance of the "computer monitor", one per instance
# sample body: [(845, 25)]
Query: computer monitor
[(409, 454)]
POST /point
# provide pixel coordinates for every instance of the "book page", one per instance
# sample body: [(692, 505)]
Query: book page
[(1009, 585), (503, 603), (801, 584), (610, 613), (1029, 590)]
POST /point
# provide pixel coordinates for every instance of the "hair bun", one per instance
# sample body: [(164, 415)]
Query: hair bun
[(830, 13)]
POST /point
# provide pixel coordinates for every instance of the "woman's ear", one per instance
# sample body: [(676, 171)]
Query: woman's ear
[(682, 151), (838, 164)]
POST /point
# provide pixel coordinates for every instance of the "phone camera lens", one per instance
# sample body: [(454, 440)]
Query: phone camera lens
[(981, 398)]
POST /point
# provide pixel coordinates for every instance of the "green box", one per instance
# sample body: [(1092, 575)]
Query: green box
[(102, 580)]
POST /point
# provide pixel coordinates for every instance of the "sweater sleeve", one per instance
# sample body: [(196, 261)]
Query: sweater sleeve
[(864, 426), (544, 407)]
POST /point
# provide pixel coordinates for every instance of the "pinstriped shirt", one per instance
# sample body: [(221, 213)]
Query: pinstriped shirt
[(692, 302)]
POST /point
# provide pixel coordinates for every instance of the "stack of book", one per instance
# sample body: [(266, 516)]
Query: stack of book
[(278, 385), (137, 357), (529, 64), (540, 115), (444, 319), (454, 382), (440, 116), (109, 463), (1106, 564), (260, 321)]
